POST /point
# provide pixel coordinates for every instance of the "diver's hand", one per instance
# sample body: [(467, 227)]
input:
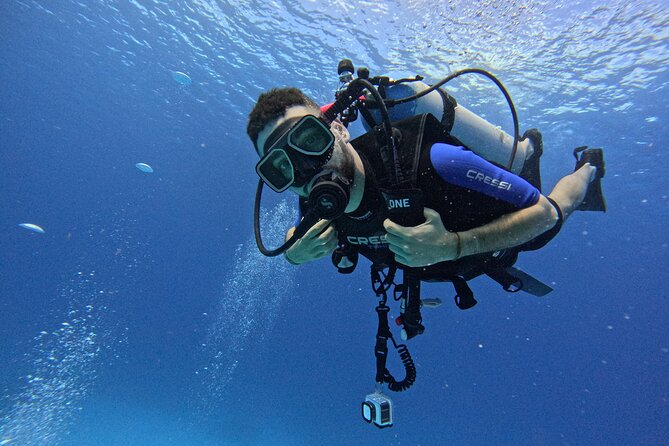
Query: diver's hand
[(319, 241), (422, 245)]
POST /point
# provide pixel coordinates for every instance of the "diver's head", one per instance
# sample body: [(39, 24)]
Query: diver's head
[(271, 106), (296, 145), (301, 150)]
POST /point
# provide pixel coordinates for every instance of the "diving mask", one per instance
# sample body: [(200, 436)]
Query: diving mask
[(298, 150)]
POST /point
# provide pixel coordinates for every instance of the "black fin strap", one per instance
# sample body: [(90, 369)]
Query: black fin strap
[(464, 297), (578, 150)]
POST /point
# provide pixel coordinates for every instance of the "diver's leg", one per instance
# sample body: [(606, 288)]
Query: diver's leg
[(570, 191)]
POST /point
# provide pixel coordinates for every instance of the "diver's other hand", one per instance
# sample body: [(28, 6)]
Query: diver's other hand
[(422, 245), (320, 240)]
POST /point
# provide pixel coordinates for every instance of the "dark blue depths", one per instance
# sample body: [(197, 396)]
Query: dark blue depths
[(145, 315)]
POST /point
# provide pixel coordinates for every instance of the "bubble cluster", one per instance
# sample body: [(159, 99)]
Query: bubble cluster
[(252, 293), (63, 370), (67, 355)]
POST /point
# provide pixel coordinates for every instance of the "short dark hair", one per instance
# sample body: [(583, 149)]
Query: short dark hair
[(271, 105)]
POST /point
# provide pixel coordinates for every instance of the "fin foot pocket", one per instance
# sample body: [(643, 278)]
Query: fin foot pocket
[(531, 170), (594, 198)]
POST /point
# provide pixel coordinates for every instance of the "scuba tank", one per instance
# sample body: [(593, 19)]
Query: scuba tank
[(477, 134)]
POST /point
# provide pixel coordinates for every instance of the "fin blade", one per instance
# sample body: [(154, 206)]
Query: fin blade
[(531, 285)]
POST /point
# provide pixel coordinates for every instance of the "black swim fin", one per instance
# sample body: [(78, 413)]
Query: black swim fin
[(530, 285), (594, 198), (513, 280)]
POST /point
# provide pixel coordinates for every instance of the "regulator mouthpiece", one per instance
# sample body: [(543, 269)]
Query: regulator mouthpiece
[(329, 196)]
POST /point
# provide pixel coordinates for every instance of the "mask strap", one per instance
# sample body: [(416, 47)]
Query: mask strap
[(278, 132)]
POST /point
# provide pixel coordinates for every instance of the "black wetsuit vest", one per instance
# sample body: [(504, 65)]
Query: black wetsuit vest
[(460, 208)]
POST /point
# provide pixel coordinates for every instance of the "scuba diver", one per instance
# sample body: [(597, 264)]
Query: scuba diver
[(428, 188)]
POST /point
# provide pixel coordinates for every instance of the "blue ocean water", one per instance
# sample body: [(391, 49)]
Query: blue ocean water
[(145, 315)]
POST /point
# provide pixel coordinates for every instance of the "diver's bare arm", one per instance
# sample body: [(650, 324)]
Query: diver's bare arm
[(525, 224), (509, 230)]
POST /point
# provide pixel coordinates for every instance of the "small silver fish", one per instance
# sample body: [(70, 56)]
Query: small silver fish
[(430, 303), (181, 78), (144, 167), (33, 228)]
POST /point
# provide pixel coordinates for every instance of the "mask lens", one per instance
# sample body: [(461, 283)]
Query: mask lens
[(276, 170), (311, 136)]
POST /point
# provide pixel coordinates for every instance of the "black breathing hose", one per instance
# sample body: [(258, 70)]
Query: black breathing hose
[(299, 231)]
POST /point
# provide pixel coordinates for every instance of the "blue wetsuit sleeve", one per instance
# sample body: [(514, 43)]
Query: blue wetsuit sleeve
[(463, 168)]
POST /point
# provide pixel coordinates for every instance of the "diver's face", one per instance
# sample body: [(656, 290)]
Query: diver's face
[(296, 111), (341, 160)]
